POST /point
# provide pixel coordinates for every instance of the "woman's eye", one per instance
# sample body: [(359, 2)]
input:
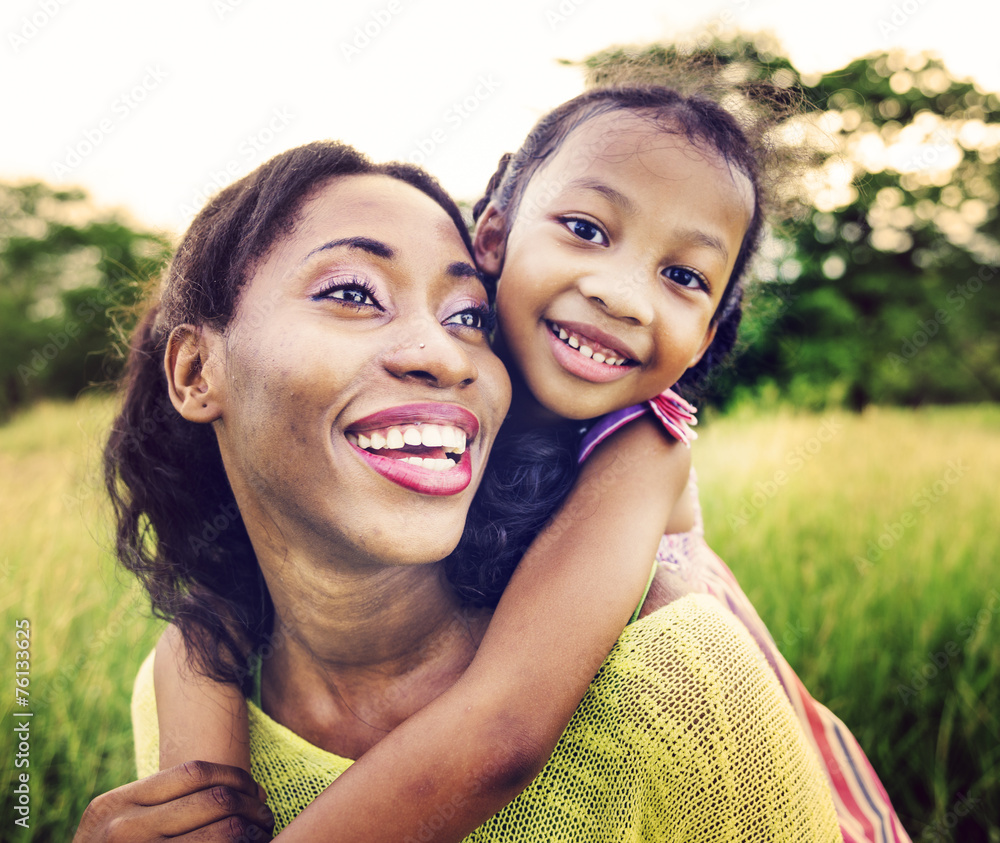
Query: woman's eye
[(586, 231), (351, 295), (355, 294), (686, 278), (475, 317)]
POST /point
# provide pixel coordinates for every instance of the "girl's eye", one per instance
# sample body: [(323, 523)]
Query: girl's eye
[(477, 318), (686, 278), (586, 230), (356, 293)]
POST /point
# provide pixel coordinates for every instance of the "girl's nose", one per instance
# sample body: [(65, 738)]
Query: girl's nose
[(426, 351), (621, 295)]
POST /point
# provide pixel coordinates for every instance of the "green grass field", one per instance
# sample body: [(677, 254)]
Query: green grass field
[(868, 543)]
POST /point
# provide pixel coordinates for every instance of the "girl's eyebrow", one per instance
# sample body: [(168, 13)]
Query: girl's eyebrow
[(366, 244), (703, 238), (613, 195)]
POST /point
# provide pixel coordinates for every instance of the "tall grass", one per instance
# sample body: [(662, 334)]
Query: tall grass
[(882, 589), (870, 546)]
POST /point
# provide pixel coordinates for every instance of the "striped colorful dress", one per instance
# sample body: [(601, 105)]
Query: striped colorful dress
[(863, 807)]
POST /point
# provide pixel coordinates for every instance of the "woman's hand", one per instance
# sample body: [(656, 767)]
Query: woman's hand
[(194, 801)]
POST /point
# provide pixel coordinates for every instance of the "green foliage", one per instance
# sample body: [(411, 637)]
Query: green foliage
[(885, 289), (67, 274)]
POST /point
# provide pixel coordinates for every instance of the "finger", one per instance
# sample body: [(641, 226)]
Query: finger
[(203, 809), (189, 777), (228, 830)]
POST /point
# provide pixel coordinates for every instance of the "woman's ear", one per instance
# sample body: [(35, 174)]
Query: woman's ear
[(194, 378), (489, 241)]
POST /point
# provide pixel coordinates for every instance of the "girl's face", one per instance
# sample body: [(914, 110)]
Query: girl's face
[(360, 394), (620, 251)]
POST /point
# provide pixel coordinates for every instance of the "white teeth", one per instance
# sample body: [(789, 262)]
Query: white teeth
[(585, 350), (431, 463), (430, 436), (451, 439)]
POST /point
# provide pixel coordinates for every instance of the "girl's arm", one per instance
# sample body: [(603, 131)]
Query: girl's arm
[(459, 760), (198, 719)]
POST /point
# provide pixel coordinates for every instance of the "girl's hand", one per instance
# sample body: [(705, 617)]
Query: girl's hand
[(194, 801)]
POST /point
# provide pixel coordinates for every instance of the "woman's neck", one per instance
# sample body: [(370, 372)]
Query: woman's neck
[(356, 654)]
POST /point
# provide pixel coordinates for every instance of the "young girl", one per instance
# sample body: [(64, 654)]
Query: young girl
[(618, 236)]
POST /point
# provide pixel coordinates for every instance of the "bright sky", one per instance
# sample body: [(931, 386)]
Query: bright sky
[(152, 106)]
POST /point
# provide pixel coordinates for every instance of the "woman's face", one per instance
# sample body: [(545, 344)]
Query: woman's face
[(361, 394)]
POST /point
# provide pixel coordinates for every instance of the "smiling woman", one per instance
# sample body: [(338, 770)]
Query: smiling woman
[(374, 335)]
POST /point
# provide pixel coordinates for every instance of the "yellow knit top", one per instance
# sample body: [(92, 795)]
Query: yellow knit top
[(684, 735)]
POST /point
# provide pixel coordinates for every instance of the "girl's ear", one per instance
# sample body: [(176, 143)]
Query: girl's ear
[(194, 378), (709, 336), (490, 240)]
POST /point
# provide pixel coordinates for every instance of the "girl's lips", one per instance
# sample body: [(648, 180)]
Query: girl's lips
[(616, 345), (426, 481), (584, 367)]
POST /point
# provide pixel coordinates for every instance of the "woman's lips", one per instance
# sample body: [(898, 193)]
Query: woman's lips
[(427, 481), (582, 365), (418, 446)]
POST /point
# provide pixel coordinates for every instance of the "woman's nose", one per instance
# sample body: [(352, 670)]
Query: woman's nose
[(427, 351), (623, 295)]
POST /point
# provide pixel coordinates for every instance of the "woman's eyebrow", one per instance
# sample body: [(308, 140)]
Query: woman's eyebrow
[(366, 244), (461, 269)]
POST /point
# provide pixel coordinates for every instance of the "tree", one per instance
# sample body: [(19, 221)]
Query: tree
[(885, 288), (67, 272)]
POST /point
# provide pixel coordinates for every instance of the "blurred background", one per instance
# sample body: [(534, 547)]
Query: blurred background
[(848, 457)]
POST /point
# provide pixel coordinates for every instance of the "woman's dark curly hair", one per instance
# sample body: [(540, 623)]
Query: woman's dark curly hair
[(700, 120), (179, 529)]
